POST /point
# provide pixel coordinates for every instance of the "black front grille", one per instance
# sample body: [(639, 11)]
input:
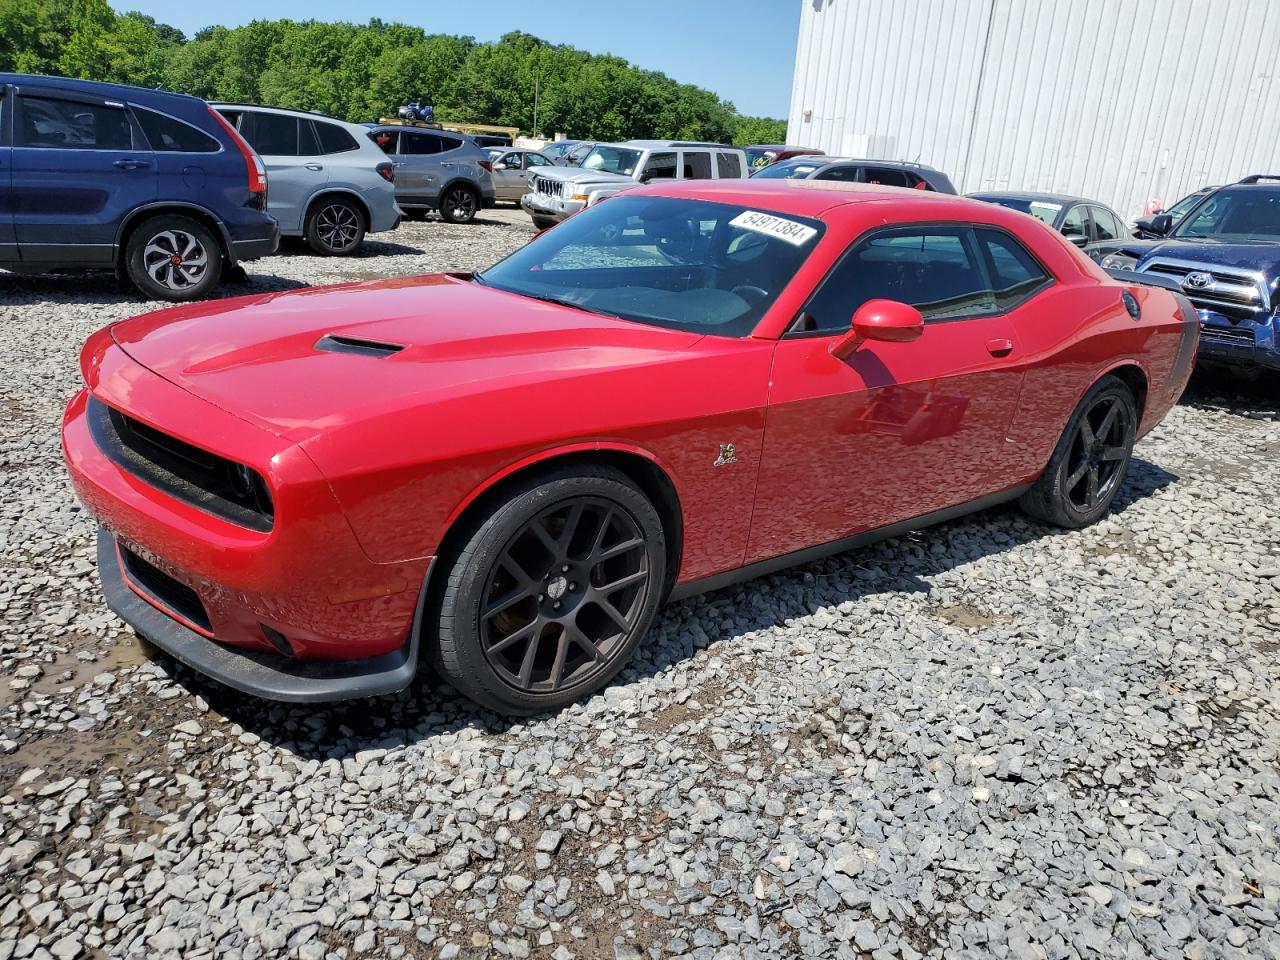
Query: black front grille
[(214, 484), (548, 187), (165, 590)]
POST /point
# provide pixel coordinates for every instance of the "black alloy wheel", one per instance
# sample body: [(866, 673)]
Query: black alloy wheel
[(544, 595), (1099, 450), (1089, 463), (564, 595)]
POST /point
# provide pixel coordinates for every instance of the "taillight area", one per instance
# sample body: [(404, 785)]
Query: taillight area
[(387, 172), (487, 164), (252, 162)]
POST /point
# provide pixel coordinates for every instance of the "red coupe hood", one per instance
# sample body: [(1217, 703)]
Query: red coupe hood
[(257, 357)]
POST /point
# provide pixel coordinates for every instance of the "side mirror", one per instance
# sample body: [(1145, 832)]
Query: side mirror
[(1161, 223), (1079, 239), (885, 320), (499, 165)]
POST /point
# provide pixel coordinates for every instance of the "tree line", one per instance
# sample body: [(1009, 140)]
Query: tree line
[(363, 71)]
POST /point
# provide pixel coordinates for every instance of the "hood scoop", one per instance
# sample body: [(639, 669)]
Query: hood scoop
[(334, 343)]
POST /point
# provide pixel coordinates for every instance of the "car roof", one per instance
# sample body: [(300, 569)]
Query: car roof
[(1063, 198), (822, 160), (806, 198), (95, 87), (648, 144), (309, 114)]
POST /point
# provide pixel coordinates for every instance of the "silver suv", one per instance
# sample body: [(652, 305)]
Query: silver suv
[(327, 182), (437, 170), (556, 193)]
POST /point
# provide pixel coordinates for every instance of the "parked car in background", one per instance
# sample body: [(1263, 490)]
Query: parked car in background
[(1081, 221), (511, 170), (437, 170), (1163, 220), (887, 173), (609, 168), (486, 140), (574, 156), (556, 151), (1224, 255), (154, 185), (811, 369), (329, 183), (760, 155)]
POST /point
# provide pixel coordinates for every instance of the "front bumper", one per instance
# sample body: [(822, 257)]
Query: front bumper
[(262, 674), (347, 622), (542, 207), (1241, 343)]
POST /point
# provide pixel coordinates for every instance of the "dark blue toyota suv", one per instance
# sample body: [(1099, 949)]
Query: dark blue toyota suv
[(1224, 255), (154, 185)]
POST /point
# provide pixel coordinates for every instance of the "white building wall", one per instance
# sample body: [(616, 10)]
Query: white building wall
[(1123, 101)]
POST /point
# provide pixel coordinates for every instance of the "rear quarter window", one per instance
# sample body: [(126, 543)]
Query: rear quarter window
[(168, 135)]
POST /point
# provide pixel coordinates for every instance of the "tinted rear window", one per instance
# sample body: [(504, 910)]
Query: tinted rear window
[(170, 135), (270, 134), (333, 139), (697, 166), (728, 165), (73, 125)]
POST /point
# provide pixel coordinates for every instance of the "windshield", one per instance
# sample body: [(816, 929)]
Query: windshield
[(685, 264), (1244, 213), (612, 160), (1177, 211), (788, 170)]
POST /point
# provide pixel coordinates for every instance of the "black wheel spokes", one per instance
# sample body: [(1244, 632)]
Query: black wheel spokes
[(1098, 451), (564, 595)]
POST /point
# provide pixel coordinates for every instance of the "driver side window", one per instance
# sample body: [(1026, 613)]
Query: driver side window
[(933, 269)]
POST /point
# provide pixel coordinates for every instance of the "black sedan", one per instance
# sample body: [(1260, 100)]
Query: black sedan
[(1081, 221)]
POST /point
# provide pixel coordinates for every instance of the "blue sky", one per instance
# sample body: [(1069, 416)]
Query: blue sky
[(744, 50)]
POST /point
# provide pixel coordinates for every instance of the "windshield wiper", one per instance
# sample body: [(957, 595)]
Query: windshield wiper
[(546, 298)]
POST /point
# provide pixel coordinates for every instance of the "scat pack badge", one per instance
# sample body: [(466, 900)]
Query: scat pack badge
[(728, 455)]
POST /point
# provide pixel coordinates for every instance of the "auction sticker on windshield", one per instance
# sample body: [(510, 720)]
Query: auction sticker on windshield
[(796, 234)]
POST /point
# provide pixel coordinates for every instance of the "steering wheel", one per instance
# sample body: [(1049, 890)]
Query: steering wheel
[(751, 294)]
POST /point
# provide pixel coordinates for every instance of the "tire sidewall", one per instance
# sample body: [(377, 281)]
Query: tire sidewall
[(1056, 504), (459, 655), (446, 213), (313, 228), (151, 228)]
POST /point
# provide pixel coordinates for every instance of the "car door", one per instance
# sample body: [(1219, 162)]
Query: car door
[(1075, 225), (79, 166), (8, 243), (418, 171), (898, 430), (1106, 226), (295, 169), (509, 176)]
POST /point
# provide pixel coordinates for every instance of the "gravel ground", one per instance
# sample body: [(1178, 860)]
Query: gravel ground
[(986, 739)]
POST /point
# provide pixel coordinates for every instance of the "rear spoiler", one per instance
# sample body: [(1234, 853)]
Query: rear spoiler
[(1145, 279)]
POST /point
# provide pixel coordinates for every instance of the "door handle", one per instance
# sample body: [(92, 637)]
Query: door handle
[(130, 164), (314, 166), (999, 347)]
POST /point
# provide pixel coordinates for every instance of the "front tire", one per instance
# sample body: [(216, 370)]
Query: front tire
[(459, 204), (550, 593), (335, 227), (1089, 464), (173, 258)]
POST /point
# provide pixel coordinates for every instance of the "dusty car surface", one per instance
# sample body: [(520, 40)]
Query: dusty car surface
[(305, 494)]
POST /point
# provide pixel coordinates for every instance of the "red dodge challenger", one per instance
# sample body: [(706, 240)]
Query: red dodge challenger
[(302, 494)]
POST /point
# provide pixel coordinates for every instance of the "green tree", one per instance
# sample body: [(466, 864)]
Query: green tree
[(748, 130), (86, 53), (32, 34)]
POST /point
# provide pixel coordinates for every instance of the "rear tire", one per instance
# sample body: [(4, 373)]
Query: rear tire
[(459, 204), (1089, 464), (548, 595), (335, 227), (175, 258)]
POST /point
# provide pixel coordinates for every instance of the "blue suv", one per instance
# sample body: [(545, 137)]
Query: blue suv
[(154, 185), (1223, 255)]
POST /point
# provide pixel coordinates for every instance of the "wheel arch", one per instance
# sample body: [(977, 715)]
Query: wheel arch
[(1131, 373), (201, 215), (459, 182), (647, 471), (346, 193)]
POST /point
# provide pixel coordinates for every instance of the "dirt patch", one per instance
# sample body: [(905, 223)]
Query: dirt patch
[(965, 616)]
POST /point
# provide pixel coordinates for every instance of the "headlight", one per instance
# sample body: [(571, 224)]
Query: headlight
[(1119, 261)]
